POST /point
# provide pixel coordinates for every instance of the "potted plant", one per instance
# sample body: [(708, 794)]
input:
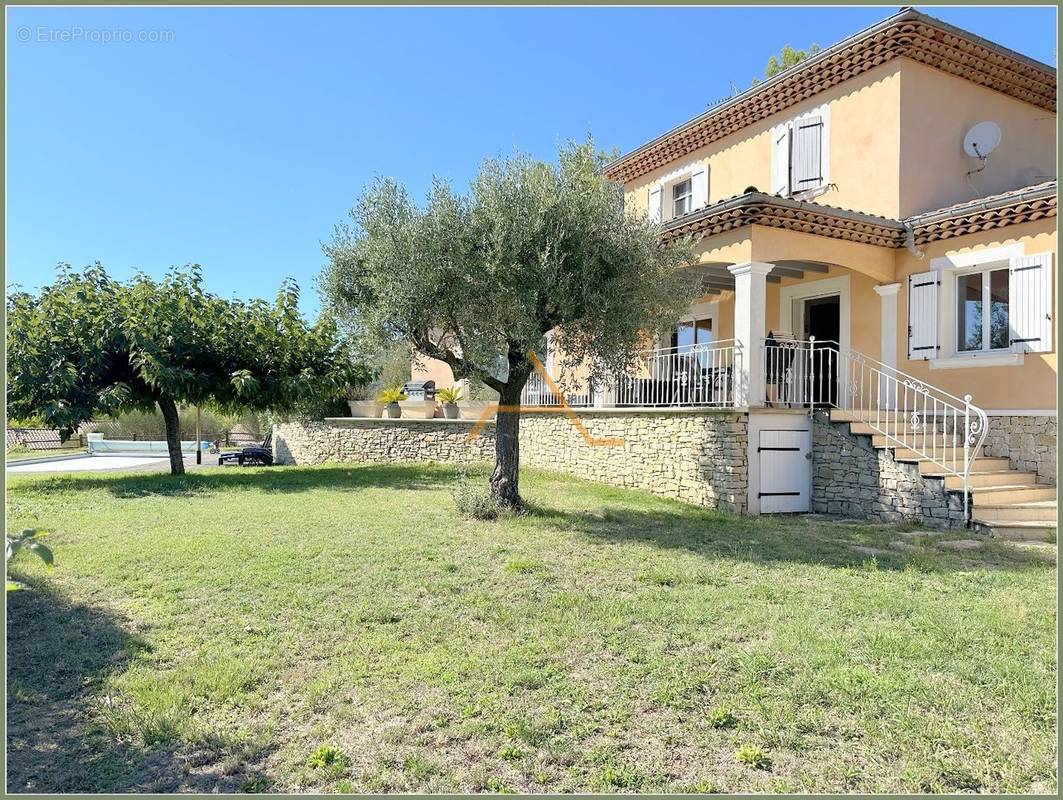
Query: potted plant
[(391, 399), (449, 398)]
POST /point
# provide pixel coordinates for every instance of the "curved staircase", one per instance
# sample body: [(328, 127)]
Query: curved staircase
[(1005, 503)]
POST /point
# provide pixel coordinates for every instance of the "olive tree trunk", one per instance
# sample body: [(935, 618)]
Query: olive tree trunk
[(173, 435), (505, 480)]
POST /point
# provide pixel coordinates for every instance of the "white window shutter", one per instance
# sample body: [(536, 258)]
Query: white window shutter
[(699, 187), (923, 293), (1030, 303), (808, 153), (654, 208), (780, 160)]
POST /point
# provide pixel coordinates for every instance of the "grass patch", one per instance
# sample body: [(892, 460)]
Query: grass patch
[(229, 630)]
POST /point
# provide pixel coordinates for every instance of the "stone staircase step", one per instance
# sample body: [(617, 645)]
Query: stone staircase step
[(1007, 477), (1038, 531), (907, 454), (1042, 511), (998, 495), (983, 464), (858, 415), (902, 432)]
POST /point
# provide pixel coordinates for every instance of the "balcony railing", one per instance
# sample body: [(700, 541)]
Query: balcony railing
[(909, 413), (694, 376)]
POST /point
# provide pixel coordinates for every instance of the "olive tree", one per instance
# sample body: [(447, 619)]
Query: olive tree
[(90, 345), (477, 280)]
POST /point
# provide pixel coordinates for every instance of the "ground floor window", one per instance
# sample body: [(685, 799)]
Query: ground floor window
[(982, 311), (693, 332)]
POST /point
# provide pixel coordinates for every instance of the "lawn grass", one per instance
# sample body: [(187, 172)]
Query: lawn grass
[(343, 629)]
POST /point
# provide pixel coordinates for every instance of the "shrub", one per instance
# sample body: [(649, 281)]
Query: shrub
[(753, 756), (475, 501), (391, 395), (29, 540), (721, 718), (328, 759), (449, 394)]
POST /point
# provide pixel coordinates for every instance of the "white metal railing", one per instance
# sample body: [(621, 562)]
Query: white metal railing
[(909, 413), (691, 376), (537, 392)]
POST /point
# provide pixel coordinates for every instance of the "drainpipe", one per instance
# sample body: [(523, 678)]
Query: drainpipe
[(909, 241)]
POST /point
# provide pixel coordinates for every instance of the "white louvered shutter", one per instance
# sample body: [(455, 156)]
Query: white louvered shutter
[(654, 208), (1030, 303), (923, 293), (699, 187), (780, 160), (808, 153)]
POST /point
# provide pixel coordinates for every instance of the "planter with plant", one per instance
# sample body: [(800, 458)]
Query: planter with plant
[(448, 398), (30, 541), (391, 399)]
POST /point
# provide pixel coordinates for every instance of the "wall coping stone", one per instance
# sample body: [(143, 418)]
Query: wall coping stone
[(357, 421)]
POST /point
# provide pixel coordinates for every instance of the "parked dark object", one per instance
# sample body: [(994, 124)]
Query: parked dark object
[(259, 455), (419, 390)]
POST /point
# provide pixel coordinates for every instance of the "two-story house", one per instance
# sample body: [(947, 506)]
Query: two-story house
[(877, 240)]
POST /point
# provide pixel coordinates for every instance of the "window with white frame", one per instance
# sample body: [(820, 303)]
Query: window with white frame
[(799, 153), (678, 193), (682, 194), (981, 307), (982, 311)]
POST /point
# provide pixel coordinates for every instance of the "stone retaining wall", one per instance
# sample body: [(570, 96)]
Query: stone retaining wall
[(695, 456), (1029, 442), (381, 441), (852, 479)]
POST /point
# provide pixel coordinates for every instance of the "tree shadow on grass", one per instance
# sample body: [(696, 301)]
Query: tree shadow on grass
[(57, 655), (284, 480), (715, 535)]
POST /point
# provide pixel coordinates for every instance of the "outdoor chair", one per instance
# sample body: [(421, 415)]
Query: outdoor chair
[(261, 455)]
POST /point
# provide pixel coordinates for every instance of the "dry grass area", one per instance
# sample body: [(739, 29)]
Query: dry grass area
[(344, 629)]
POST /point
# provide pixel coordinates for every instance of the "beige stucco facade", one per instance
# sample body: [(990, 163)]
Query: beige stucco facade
[(892, 172)]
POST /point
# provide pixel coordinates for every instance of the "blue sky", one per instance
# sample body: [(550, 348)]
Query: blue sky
[(241, 139)]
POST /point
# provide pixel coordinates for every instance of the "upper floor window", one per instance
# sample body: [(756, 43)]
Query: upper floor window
[(682, 194), (800, 147)]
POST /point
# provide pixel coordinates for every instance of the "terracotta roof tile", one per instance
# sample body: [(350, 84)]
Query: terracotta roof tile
[(1027, 204), (907, 33)]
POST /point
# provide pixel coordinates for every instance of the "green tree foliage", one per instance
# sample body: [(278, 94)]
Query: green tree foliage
[(477, 280), (89, 345), (786, 58)]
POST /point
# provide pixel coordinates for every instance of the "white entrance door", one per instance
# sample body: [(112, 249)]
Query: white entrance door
[(785, 471)]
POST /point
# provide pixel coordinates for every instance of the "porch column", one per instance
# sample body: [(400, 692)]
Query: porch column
[(750, 283), (888, 329)]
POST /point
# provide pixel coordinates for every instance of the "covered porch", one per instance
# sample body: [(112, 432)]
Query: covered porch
[(774, 311)]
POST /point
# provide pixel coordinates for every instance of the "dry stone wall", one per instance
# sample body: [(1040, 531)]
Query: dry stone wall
[(850, 478), (381, 441), (694, 456), (1029, 442)]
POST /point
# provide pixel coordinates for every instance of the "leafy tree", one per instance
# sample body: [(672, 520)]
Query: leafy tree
[(89, 345), (786, 58), (478, 280)]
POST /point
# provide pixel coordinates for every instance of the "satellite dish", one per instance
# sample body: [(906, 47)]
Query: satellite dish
[(982, 139)]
